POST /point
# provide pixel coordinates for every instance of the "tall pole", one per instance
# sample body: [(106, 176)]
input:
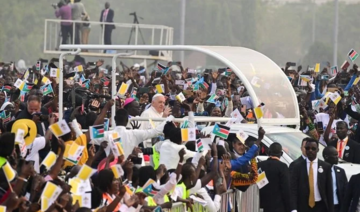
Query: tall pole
[(182, 28), (336, 31), (314, 24)]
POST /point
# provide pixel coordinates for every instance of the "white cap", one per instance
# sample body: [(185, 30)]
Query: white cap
[(136, 66)]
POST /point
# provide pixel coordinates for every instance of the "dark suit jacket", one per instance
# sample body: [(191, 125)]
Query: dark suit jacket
[(291, 167), (109, 18), (352, 195), (274, 197), (356, 116), (341, 184), (351, 152), (300, 186)]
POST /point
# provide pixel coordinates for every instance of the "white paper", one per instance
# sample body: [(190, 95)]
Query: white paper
[(179, 82), (19, 138), (18, 83), (196, 158), (53, 72)]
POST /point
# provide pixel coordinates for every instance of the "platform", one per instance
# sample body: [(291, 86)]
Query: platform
[(152, 34)]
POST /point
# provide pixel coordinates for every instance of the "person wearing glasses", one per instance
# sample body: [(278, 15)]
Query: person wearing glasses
[(311, 182)]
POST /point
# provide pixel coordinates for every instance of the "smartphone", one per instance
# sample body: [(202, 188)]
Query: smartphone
[(320, 127), (289, 64), (43, 60), (92, 63), (324, 77)]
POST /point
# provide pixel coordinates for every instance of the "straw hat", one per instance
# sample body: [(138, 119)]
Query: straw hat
[(28, 127)]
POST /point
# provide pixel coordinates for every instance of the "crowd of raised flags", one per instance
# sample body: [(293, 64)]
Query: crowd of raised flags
[(86, 190)]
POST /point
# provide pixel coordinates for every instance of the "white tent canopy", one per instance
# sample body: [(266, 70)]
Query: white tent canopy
[(263, 79)]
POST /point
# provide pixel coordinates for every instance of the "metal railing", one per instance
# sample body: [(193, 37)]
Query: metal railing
[(152, 34)]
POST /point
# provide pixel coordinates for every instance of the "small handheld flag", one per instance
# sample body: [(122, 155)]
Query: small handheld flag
[(188, 134), (353, 55), (160, 88), (85, 172), (335, 97), (9, 172), (117, 170), (97, 131), (345, 65), (317, 68), (334, 70), (199, 145), (49, 160), (123, 89), (180, 97), (160, 66), (46, 89), (60, 128), (221, 131), (259, 111)]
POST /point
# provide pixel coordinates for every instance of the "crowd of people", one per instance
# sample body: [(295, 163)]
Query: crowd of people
[(81, 163), (75, 22)]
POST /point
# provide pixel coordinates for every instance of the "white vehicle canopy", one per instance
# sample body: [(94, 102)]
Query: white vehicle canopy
[(264, 80)]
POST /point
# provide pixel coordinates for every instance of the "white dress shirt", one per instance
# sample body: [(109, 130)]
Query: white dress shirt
[(336, 200), (315, 173)]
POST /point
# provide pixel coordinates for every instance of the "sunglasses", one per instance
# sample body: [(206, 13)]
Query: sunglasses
[(311, 148)]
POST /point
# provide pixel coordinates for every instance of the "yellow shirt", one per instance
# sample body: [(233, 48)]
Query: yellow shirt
[(82, 141)]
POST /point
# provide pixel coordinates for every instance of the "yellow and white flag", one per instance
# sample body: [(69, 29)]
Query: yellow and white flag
[(46, 80), (75, 150), (255, 81), (242, 136), (160, 88), (84, 200), (335, 97), (117, 170), (49, 160), (60, 128), (51, 192), (19, 84), (55, 72), (26, 75), (2, 208), (79, 68), (75, 185), (9, 172), (188, 134), (180, 97), (317, 68), (356, 81), (45, 204), (85, 172), (123, 89), (259, 111)]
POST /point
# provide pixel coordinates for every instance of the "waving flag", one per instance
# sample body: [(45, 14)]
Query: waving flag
[(160, 66), (97, 131), (334, 70), (353, 55), (221, 131), (6, 88), (199, 145), (150, 190), (46, 89)]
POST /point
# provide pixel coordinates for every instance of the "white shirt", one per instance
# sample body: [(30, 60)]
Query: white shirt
[(315, 175), (212, 205), (145, 125), (169, 154), (336, 200), (132, 138), (34, 148), (150, 113)]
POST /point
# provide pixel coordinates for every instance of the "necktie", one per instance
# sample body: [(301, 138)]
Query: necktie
[(311, 186), (341, 148)]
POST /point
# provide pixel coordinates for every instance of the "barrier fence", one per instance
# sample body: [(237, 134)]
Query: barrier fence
[(231, 201)]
